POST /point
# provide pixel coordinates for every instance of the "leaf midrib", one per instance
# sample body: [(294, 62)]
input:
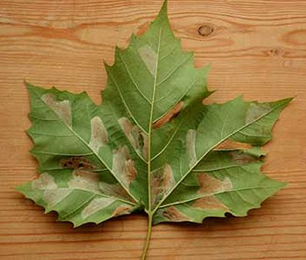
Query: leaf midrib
[(151, 125)]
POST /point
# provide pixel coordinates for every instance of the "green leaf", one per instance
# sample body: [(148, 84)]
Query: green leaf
[(151, 145)]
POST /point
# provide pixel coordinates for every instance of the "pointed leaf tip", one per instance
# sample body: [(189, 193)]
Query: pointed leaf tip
[(164, 9)]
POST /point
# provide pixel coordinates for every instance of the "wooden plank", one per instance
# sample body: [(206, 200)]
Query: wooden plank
[(257, 48)]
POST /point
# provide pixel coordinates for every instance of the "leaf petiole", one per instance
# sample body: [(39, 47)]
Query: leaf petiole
[(149, 232)]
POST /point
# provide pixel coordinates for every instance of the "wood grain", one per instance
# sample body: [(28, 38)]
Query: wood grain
[(257, 48)]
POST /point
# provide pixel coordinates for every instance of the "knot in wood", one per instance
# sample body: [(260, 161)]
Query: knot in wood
[(205, 30)]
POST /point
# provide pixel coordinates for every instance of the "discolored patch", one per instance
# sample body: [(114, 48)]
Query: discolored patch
[(123, 165), (122, 210), (85, 180), (114, 190), (211, 185), (55, 196), (255, 111), (232, 145), (45, 181), (136, 137), (190, 145), (99, 136), (242, 158), (61, 108), (169, 115), (161, 181), (173, 214), (76, 163), (209, 203), (149, 57), (143, 139), (96, 205)]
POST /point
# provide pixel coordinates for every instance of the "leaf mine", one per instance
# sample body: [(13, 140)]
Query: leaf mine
[(115, 190), (190, 143), (255, 110), (46, 181), (96, 205), (85, 180), (137, 138), (76, 163), (232, 145), (99, 135), (161, 181), (169, 115), (54, 196), (123, 165), (173, 214), (149, 57), (61, 108), (122, 210), (211, 185), (209, 203)]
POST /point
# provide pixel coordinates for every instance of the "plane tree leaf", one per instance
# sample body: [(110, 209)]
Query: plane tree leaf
[(152, 144)]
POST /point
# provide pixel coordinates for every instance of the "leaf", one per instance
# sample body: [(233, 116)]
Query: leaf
[(151, 145)]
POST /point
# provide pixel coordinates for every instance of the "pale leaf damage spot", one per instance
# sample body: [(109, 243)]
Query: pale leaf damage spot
[(53, 197), (99, 135), (161, 181), (149, 57), (242, 158), (114, 190), (169, 115), (123, 165), (61, 108), (175, 215), (211, 185), (96, 205), (256, 110), (85, 180), (210, 203), (45, 181), (137, 138), (190, 145)]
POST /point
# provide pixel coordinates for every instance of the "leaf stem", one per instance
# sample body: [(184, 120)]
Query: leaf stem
[(149, 232)]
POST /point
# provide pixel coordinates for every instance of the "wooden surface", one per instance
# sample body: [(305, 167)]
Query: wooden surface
[(256, 48)]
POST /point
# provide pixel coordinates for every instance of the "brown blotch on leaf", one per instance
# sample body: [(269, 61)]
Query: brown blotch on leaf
[(231, 145), (210, 203), (175, 215), (123, 165), (76, 163), (211, 185), (130, 170), (114, 190), (122, 210), (136, 137), (169, 115), (242, 158), (161, 181)]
